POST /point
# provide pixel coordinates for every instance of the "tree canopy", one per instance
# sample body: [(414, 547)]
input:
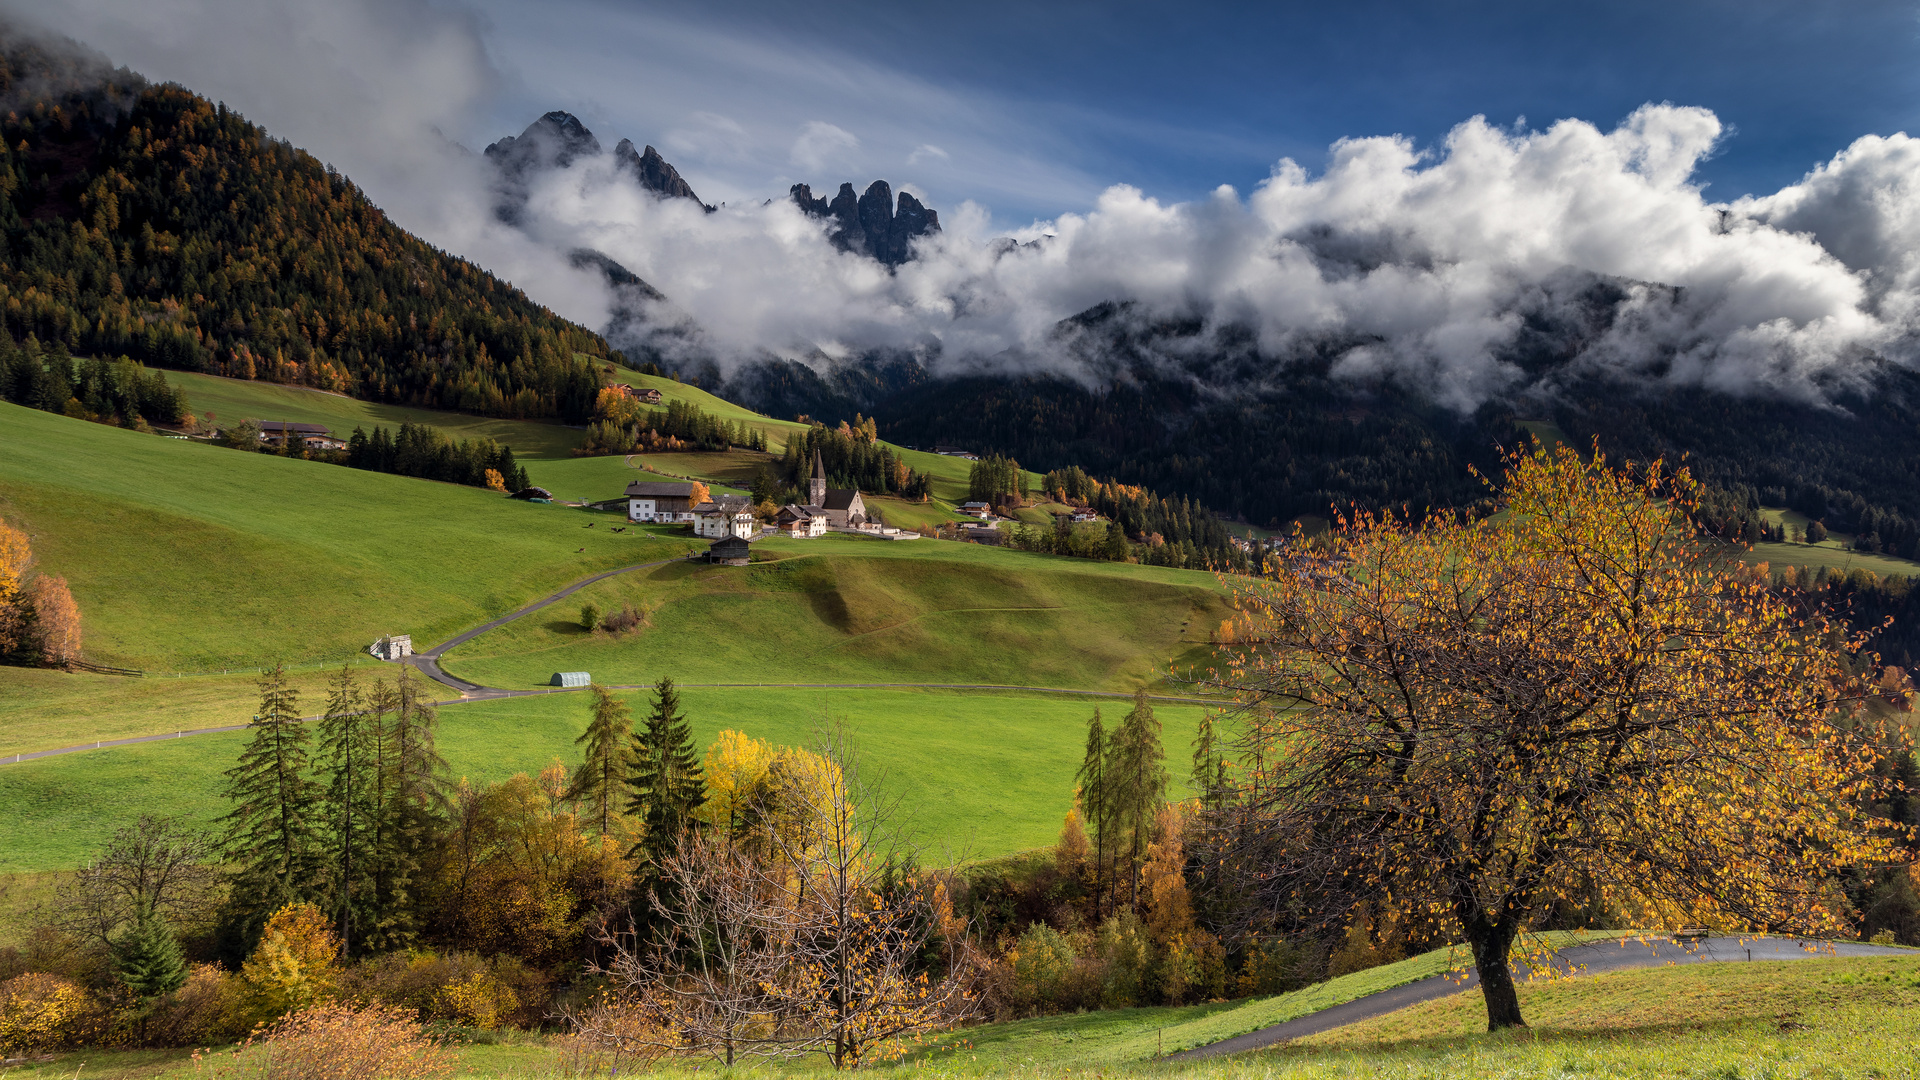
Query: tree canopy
[(1467, 721)]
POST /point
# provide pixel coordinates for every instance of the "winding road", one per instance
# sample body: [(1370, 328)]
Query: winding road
[(428, 664), (1592, 958)]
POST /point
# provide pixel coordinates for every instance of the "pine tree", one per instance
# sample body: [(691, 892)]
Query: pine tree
[(1209, 775), (1092, 778), (271, 831), (148, 959), (412, 790), (665, 774), (1136, 783), (349, 763), (597, 781)]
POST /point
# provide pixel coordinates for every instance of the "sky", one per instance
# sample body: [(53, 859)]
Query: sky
[(1416, 179)]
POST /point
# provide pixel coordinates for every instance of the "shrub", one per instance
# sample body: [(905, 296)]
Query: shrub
[(1042, 962), (1276, 967), (40, 1012), (1128, 955), (589, 617), (212, 1007), (336, 1042), (627, 618), (459, 989)]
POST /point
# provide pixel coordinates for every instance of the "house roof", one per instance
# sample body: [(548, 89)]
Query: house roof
[(739, 545), (724, 504), (658, 488), (842, 499), (297, 429), (797, 512)]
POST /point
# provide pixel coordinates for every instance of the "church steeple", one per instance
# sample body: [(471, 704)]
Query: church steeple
[(817, 485)]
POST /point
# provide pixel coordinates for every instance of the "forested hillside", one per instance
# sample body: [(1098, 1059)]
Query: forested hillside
[(147, 221)]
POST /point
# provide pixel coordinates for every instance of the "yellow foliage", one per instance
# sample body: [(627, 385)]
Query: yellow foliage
[(16, 554), (1169, 907), (335, 1042), (752, 784), (479, 1001), (40, 1012), (295, 964), (1070, 854), (495, 481)]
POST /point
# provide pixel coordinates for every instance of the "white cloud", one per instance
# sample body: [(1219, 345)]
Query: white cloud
[(821, 146), (927, 152)]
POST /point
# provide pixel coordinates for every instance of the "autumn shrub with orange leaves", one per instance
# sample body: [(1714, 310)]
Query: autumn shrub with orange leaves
[(1580, 699), (333, 1042), (39, 621), (41, 1012)]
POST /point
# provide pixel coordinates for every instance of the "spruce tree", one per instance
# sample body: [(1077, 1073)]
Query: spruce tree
[(271, 830), (1137, 783), (664, 774), (349, 766), (1209, 775), (411, 794), (148, 958), (1092, 778), (597, 780)]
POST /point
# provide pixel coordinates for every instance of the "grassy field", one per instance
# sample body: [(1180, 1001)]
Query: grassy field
[(979, 774), (1806, 1018), (854, 609), (233, 400), (189, 557)]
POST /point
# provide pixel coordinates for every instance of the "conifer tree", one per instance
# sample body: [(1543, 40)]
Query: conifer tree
[(412, 790), (271, 830), (1092, 778), (349, 764), (597, 781), (1209, 775), (1136, 784), (665, 774), (148, 959)]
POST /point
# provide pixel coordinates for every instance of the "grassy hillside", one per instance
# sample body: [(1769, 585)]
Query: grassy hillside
[(232, 400), (852, 609), (978, 774), (188, 557)]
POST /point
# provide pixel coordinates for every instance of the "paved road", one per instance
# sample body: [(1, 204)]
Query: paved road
[(1589, 959)]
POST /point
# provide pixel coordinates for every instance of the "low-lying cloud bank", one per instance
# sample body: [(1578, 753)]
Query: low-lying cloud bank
[(1423, 265)]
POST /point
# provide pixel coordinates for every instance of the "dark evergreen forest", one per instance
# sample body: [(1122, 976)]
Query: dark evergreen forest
[(146, 221)]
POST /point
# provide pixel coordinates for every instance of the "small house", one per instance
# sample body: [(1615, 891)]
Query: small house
[(666, 502), (800, 522), (533, 494), (392, 647), (730, 551), (283, 432), (724, 516), (977, 509), (570, 678)]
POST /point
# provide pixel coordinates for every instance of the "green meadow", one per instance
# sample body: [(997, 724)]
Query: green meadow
[(974, 774), (189, 557), (855, 609)]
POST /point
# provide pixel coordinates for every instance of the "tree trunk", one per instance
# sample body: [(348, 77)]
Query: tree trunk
[(1492, 944)]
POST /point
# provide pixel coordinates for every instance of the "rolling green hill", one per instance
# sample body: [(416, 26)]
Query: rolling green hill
[(853, 609)]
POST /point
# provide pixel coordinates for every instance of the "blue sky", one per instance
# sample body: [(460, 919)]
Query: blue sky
[(1039, 106)]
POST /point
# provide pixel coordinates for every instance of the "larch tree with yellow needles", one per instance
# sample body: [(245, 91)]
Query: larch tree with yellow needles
[(1469, 720)]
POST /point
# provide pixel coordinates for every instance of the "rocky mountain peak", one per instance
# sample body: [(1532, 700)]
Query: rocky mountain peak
[(552, 142), (653, 172), (871, 224)]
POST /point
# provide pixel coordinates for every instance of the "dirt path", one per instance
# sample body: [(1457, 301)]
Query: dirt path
[(1593, 958)]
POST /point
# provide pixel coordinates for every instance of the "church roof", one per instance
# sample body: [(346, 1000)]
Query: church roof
[(842, 499), (819, 466)]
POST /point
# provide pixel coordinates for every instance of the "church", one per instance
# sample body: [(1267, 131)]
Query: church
[(839, 508)]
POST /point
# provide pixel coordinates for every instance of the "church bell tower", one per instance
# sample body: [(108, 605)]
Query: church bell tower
[(817, 485)]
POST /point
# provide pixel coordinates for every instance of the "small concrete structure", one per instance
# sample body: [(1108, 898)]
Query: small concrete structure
[(392, 647), (570, 678)]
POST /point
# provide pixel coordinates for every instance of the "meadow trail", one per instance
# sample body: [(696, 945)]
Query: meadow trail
[(1588, 958)]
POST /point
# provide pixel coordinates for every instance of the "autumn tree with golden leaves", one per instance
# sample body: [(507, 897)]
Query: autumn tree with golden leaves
[(1466, 721)]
